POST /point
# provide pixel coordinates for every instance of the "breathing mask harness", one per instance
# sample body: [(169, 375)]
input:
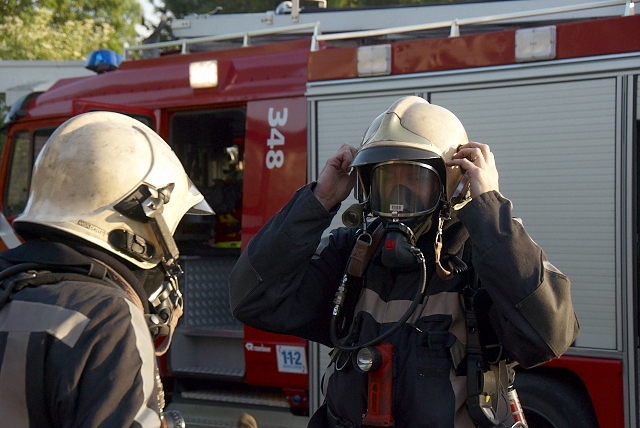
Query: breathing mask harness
[(399, 252), (146, 205), (400, 249)]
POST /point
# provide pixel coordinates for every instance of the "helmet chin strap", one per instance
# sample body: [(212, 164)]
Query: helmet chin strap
[(153, 207), (167, 300), (146, 204), (460, 196)]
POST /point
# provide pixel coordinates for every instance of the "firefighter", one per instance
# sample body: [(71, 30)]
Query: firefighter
[(95, 279), (430, 297)]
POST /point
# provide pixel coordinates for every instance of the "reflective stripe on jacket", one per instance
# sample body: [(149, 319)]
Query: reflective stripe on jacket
[(76, 354)]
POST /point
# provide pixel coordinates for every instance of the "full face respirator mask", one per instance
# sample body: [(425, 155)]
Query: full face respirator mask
[(404, 195)]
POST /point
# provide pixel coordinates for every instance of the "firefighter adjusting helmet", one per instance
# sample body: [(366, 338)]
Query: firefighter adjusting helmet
[(401, 163), (109, 179)]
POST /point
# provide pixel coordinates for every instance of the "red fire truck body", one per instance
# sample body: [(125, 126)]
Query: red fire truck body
[(260, 94), (562, 121)]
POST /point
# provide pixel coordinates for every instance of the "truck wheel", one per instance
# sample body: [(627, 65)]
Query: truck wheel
[(554, 403)]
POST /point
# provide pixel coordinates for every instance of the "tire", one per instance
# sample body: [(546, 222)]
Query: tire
[(553, 402)]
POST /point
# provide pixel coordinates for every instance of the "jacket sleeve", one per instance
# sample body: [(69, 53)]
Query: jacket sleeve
[(285, 280), (532, 313)]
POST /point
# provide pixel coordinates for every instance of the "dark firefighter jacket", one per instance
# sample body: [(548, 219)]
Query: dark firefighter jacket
[(286, 279), (75, 353)]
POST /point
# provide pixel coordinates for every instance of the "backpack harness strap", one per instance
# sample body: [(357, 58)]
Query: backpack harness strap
[(31, 274), (364, 248), (484, 379)]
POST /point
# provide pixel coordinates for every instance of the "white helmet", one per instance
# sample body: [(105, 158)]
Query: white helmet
[(412, 132), (110, 180)]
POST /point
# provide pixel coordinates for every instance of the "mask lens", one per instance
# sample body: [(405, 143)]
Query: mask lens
[(404, 189)]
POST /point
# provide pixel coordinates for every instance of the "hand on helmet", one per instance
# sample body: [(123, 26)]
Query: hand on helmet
[(335, 181), (478, 162)]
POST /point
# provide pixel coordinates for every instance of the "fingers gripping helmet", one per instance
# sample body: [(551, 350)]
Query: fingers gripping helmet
[(110, 180), (401, 164)]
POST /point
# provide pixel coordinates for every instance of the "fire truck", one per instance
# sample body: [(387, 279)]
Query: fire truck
[(254, 104)]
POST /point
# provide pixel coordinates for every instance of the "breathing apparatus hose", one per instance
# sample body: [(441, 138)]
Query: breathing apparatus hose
[(414, 305)]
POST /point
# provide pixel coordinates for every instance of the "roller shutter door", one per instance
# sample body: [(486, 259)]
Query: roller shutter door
[(555, 148)]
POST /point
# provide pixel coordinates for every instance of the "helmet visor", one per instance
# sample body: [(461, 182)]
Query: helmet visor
[(404, 189), (200, 208)]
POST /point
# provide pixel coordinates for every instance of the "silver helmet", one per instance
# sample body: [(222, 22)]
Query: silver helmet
[(401, 163)]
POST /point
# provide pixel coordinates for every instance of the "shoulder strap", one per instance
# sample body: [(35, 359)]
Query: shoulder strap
[(348, 292), (364, 248), (31, 274)]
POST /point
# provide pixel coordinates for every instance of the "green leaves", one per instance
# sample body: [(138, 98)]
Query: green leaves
[(65, 29)]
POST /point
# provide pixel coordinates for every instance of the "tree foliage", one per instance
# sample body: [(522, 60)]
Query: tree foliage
[(36, 37), (65, 29)]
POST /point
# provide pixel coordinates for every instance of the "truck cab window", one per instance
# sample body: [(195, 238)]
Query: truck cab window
[(3, 140), (210, 145), (19, 174), (24, 151), (39, 138)]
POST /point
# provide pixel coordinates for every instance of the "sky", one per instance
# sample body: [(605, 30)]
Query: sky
[(149, 15)]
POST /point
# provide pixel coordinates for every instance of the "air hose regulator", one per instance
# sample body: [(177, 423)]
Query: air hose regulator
[(399, 252)]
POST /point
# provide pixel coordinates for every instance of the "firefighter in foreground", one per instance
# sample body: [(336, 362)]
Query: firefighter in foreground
[(431, 296), (95, 275)]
